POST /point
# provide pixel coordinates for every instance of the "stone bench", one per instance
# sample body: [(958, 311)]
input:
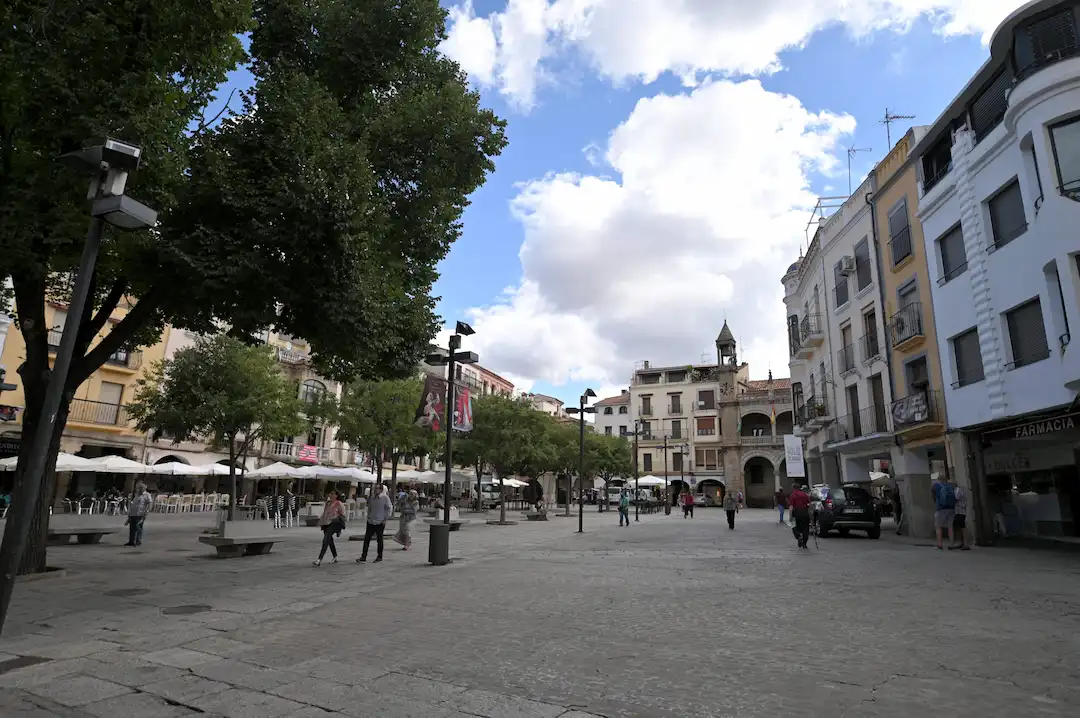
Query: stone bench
[(455, 524), (236, 546), (536, 516), (62, 537)]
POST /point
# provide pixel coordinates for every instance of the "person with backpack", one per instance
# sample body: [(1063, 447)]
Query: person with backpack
[(944, 509)]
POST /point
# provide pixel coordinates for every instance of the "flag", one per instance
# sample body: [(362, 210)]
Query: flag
[(738, 426), (308, 453), (773, 416), (462, 409)]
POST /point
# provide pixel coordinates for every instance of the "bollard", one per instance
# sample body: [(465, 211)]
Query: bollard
[(439, 545)]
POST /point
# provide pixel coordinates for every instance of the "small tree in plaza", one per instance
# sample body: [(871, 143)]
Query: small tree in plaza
[(379, 417), (222, 390), (613, 457), (504, 432)]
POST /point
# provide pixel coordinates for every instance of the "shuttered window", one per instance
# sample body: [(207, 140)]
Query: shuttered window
[(953, 254), (1027, 334), (862, 264), (1007, 220), (969, 366)]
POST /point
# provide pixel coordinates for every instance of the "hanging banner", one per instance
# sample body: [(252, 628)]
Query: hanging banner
[(462, 409), (793, 455), (432, 408)]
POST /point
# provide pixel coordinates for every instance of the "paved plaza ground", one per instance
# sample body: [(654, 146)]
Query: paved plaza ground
[(669, 618)]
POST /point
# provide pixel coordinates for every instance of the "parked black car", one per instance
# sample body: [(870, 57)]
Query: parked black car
[(845, 508)]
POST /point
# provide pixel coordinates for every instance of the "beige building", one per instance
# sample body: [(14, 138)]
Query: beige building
[(712, 428)]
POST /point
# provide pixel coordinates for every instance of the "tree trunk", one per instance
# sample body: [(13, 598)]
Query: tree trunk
[(232, 478), (34, 554), (502, 499), (393, 479), (479, 487)]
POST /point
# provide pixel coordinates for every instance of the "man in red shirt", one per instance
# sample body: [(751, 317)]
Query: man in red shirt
[(800, 511)]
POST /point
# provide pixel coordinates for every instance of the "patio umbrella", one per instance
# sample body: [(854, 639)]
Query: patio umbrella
[(223, 470), (177, 468), (318, 472), (273, 471), (513, 483), (356, 475), (64, 462), (648, 480), (115, 465)]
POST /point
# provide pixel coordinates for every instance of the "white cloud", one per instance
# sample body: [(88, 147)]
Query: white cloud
[(705, 210), (643, 39)]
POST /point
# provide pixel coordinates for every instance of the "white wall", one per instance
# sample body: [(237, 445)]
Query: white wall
[(615, 419), (997, 280)]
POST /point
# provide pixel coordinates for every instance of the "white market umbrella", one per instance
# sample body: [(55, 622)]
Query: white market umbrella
[(11, 462), (64, 462), (177, 468), (878, 478), (276, 470), (512, 483), (317, 472), (648, 480), (356, 475), (115, 465), (221, 470)]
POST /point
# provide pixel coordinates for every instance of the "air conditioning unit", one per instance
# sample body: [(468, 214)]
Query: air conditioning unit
[(701, 405), (847, 266)]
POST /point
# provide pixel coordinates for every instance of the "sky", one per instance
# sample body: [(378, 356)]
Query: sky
[(664, 158)]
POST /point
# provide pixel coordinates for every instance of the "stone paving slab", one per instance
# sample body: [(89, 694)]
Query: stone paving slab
[(670, 618)]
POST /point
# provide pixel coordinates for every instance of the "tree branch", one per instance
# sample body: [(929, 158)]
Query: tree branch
[(97, 323), (120, 335), (204, 125)]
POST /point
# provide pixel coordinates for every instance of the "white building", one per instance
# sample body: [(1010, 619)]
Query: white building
[(1000, 210), (839, 369), (613, 415)]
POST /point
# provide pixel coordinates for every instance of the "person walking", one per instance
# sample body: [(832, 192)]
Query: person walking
[(378, 511), (960, 518), (332, 521), (731, 506), (687, 504), (781, 503), (137, 511), (624, 508), (898, 507), (739, 505), (799, 501), (407, 509), (944, 509)]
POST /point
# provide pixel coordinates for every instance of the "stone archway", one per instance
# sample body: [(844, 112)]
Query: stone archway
[(713, 490), (785, 423), (755, 423), (759, 478)]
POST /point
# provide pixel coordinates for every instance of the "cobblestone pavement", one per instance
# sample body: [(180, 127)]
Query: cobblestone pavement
[(667, 618)]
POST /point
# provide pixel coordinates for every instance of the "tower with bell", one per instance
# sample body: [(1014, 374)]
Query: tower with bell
[(725, 349)]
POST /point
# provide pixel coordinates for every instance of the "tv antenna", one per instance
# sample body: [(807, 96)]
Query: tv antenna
[(851, 151), (889, 119)]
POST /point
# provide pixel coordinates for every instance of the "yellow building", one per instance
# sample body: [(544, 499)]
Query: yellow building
[(98, 422), (918, 407)]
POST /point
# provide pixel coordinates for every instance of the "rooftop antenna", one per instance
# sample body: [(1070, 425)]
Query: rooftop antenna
[(889, 119), (851, 153)]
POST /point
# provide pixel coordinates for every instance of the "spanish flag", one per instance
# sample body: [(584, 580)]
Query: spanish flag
[(773, 414)]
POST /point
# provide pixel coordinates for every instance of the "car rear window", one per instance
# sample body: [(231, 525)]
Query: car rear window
[(851, 493)]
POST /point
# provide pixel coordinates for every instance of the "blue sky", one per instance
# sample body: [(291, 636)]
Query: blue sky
[(711, 127)]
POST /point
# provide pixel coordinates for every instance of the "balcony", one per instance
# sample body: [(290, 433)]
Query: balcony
[(705, 407), (645, 410), (864, 426), (125, 359), (706, 432), (1048, 59), (675, 409), (98, 413), (906, 328), (918, 416), (871, 347), (811, 336), (291, 451), (812, 416), (767, 440), (900, 246), (845, 359), (291, 356)]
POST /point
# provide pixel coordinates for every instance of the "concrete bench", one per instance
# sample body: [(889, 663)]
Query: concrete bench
[(236, 546), (536, 516), (61, 537), (455, 524)]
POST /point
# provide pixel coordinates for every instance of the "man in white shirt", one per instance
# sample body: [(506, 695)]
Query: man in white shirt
[(960, 518), (378, 511), (137, 511)]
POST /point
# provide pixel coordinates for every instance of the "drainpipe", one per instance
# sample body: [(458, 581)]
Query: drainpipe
[(881, 292)]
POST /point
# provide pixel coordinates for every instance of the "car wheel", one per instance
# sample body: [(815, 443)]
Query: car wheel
[(843, 532), (874, 532)]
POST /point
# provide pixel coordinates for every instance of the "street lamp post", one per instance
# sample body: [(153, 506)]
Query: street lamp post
[(108, 166), (452, 358), (637, 478), (684, 449), (581, 411), (667, 491)]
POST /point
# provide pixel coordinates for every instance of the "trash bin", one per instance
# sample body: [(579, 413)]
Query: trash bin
[(439, 545)]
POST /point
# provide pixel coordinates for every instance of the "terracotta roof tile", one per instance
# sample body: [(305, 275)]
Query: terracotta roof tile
[(614, 400), (765, 384)]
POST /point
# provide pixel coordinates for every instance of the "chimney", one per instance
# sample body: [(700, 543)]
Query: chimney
[(625, 392), (646, 364)]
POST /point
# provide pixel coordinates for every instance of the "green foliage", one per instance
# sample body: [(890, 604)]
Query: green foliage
[(613, 455), (218, 389), (505, 431), (377, 415)]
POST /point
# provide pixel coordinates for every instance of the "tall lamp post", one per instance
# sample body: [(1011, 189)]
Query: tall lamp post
[(439, 550), (667, 491), (581, 411), (684, 450), (637, 478), (107, 165)]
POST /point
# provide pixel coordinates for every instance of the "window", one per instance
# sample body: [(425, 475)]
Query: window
[(676, 404), (676, 461), (108, 410), (877, 399), (706, 399), (953, 254), (853, 410), (646, 461), (311, 390), (968, 358), (676, 429), (706, 425), (607, 431), (59, 320), (1007, 215), (1065, 141), (988, 109), (909, 295), (871, 346), (646, 406), (1059, 317), (841, 290), (862, 264), (1027, 334), (607, 411), (899, 234), (845, 357), (823, 397), (937, 162), (646, 429), (622, 430), (797, 399), (916, 375), (706, 459), (622, 409)]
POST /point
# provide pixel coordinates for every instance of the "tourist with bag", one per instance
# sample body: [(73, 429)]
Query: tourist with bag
[(407, 509), (332, 522)]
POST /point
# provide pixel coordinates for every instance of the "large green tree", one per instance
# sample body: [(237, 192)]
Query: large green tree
[(504, 431), (379, 417), (322, 210), (219, 390)]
